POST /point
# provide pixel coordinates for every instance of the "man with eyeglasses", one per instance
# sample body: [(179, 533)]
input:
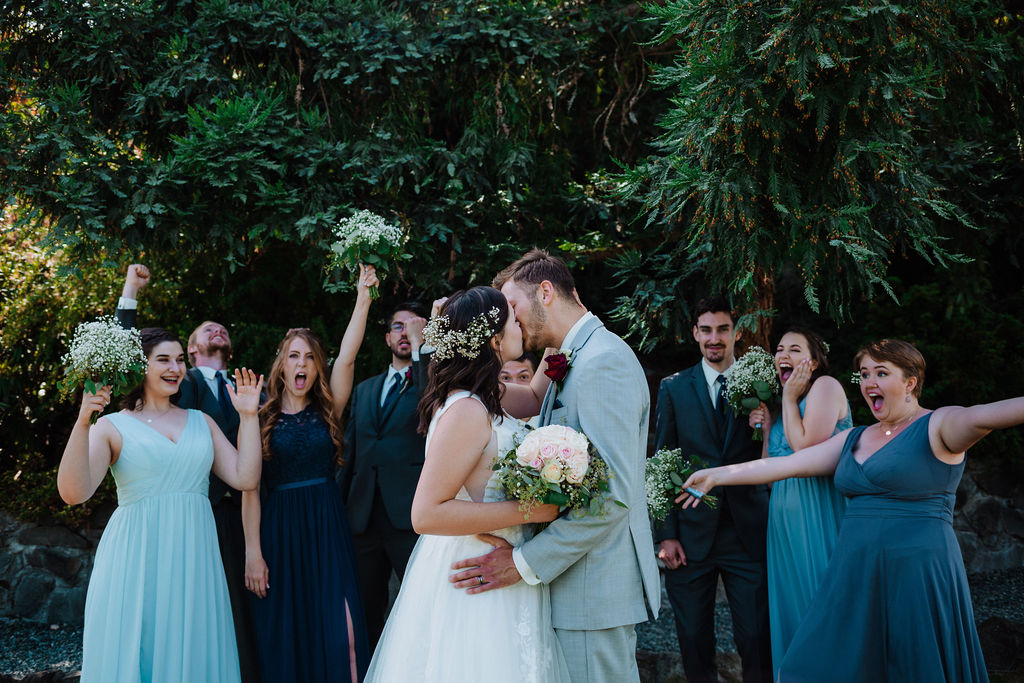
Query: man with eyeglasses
[(383, 458)]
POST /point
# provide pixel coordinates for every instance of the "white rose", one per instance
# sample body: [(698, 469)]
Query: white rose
[(552, 472), (578, 464)]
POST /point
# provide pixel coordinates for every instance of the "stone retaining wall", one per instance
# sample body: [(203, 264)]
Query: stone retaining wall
[(44, 570)]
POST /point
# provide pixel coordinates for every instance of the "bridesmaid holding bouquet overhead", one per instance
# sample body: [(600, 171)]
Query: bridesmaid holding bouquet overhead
[(300, 566), (803, 514), (157, 608)]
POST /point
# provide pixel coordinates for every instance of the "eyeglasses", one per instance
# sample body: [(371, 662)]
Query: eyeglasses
[(397, 327)]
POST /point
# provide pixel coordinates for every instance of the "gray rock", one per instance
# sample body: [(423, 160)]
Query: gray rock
[(66, 606), (8, 563), (58, 562), (52, 536), (984, 518), (31, 593), (1012, 522)]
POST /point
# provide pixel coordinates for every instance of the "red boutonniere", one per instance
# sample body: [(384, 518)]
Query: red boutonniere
[(558, 366)]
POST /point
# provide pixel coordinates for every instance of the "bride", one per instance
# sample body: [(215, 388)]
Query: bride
[(437, 632)]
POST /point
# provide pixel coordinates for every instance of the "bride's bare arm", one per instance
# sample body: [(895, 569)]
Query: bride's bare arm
[(458, 440)]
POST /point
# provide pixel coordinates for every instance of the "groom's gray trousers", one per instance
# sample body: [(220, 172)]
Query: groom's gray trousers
[(604, 656)]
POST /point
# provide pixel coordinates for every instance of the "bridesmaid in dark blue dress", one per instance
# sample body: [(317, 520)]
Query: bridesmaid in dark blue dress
[(300, 565), (894, 604)]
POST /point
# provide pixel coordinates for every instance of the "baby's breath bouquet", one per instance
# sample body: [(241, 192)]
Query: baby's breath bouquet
[(666, 472), (751, 380), (364, 237), (103, 353), (555, 464)]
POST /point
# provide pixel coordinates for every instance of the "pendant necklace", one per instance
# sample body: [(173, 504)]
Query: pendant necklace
[(898, 426)]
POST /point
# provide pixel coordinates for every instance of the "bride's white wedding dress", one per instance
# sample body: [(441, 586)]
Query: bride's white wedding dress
[(437, 632)]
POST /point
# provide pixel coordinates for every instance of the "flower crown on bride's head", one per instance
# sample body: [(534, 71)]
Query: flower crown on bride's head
[(466, 343)]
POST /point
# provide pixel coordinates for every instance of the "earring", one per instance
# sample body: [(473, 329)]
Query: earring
[(908, 398)]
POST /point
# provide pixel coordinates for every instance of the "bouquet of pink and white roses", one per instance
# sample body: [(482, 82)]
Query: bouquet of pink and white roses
[(555, 464)]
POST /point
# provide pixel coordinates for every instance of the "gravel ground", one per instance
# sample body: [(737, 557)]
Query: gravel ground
[(27, 647)]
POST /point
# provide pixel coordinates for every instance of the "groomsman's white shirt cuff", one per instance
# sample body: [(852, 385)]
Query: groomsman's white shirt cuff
[(127, 303), (529, 576), (423, 349)]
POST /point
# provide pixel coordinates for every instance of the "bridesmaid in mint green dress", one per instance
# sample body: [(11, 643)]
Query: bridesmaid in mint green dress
[(894, 604), (803, 514), (157, 607)]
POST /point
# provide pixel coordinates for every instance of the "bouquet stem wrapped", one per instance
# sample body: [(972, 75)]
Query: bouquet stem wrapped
[(751, 380), (666, 472), (556, 465), (103, 353)]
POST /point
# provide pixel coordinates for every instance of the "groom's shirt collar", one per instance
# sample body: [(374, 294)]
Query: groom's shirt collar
[(710, 376), (574, 331)]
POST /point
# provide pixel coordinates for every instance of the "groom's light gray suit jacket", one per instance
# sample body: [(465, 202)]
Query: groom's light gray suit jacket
[(601, 570)]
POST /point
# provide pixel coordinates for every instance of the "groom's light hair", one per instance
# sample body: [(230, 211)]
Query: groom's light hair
[(533, 268)]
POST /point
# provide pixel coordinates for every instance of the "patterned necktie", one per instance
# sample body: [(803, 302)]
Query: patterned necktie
[(720, 400), (222, 394)]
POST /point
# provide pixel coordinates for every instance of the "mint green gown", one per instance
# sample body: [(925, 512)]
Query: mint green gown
[(803, 524), (157, 606)]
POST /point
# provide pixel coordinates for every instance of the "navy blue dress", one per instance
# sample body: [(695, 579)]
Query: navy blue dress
[(894, 604), (300, 626)]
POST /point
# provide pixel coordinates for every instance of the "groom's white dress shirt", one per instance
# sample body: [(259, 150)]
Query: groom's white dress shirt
[(530, 576)]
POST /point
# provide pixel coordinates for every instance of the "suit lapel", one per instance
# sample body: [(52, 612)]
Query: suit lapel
[(699, 387), (550, 396), (376, 386)]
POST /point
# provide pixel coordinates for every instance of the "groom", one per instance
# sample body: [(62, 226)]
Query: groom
[(601, 569)]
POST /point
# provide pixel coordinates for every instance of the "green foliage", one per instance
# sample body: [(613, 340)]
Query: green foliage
[(218, 141), (801, 142)]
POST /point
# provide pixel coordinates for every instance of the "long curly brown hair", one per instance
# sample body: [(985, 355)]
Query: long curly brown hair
[(478, 375), (319, 394)]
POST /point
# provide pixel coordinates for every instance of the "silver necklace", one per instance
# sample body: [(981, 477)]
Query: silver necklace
[(149, 420), (898, 426)]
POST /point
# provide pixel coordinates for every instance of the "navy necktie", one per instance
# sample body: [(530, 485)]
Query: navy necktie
[(222, 394), (393, 391), (720, 400)]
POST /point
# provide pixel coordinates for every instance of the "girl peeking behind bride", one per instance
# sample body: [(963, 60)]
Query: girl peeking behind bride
[(437, 632)]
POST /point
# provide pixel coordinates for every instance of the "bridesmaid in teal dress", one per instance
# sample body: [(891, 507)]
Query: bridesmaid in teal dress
[(894, 604), (803, 514), (157, 607)]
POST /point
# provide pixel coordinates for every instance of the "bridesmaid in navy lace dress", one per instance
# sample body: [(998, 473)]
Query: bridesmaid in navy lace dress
[(307, 610), (894, 604)]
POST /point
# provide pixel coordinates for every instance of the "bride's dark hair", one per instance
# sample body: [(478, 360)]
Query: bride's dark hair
[(478, 375)]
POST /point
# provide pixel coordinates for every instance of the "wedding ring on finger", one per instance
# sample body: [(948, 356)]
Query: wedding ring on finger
[(480, 580)]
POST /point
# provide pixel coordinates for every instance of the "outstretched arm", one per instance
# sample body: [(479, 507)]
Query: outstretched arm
[(345, 364), (817, 461), (959, 428)]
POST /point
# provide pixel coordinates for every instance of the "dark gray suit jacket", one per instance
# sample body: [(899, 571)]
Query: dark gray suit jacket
[(383, 449), (685, 419)]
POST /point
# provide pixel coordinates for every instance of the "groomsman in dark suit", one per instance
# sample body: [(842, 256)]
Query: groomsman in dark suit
[(700, 545), (383, 458), (204, 389)]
